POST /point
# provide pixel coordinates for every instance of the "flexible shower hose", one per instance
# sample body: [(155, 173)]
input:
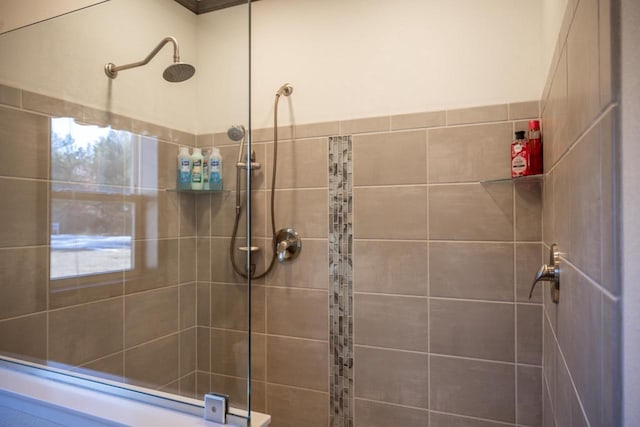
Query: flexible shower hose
[(273, 215)]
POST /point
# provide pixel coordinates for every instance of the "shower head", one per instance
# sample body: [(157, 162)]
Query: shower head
[(236, 133), (286, 90), (176, 72)]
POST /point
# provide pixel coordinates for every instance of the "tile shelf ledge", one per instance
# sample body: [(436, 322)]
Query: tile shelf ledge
[(528, 178)]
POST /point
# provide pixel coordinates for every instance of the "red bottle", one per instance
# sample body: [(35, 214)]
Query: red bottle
[(520, 156), (535, 147)]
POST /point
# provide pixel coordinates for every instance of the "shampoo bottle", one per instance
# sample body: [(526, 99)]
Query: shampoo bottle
[(205, 168), (184, 169), (520, 156), (215, 170), (196, 169)]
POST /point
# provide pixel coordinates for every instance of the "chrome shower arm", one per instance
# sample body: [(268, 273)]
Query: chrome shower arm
[(112, 70)]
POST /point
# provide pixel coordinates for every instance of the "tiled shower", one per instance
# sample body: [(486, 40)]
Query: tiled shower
[(409, 304)]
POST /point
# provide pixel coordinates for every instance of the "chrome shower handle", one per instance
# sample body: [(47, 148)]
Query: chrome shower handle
[(550, 273)]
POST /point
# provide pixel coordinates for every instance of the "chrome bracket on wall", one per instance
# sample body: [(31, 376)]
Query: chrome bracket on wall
[(550, 273)]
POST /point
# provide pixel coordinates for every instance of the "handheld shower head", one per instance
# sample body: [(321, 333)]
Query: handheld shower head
[(236, 133), (286, 90)]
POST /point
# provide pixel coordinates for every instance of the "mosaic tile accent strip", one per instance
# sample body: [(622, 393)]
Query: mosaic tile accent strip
[(341, 280)]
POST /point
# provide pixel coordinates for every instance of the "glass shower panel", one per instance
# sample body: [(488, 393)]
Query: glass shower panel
[(105, 267)]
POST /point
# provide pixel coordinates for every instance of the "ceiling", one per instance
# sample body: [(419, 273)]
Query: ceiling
[(204, 6)]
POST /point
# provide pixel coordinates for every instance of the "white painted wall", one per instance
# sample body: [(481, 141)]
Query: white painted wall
[(362, 58), (64, 58), (18, 13)]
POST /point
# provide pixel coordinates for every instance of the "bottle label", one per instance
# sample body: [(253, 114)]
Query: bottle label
[(215, 177), (184, 165), (196, 172)]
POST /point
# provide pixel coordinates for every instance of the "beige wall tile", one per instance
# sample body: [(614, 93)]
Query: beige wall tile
[(524, 110), (156, 214), (229, 353), (529, 327), (555, 117), (188, 305), (87, 332), (150, 129), (391, 321), (188, 258), (529, 396), (10, 96), (471, 212), (229, 307), (292, 407), (308, 369), (582, 54), (369, 124), (204, 267), (26, 210), (301, 164), (418, 120), (611, 366), (203, 302), (376, 159), (481, 330), (149, 315), (309, 269), (188, 386), (608, 209), (606, 50), (391, 376), (580, 338), (298, 313), (374, 209), (529, 258), (110, 367), (549, 358), (488, 272), (314, 130), (377, 414), (203, 215), (491, 113), (153, 364), (202, 384), (156, 163), (390, 267), (562, 197), (105, 118), (548, 220), (188, 351), (528, 211), (470, 153), (304, 210), (188, 215), (447, 420), (223, 214), (25, 337), (23, 281), (51, 106), (22, 132), (156, 265), (204, 140), (586, 209), (80, 289), (203, 350), (236, 388), (183, 138), (266, 134), (473, 387)]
